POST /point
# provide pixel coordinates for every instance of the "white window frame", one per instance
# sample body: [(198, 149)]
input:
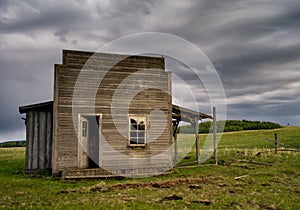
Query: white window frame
[(137, 118)]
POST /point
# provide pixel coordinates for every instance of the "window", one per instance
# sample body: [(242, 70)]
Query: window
[(84, 128), (137, 130)]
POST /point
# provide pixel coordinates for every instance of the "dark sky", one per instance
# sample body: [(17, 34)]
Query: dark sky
[(254, 46)]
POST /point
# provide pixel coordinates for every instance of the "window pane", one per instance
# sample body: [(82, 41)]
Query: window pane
[(133, 124), (133, 134), (141, 126), (133, 127), (133, 141), (141, 134), (141, 141), (84, 128)]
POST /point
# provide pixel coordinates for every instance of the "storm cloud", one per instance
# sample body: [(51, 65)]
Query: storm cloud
[(254, 46)]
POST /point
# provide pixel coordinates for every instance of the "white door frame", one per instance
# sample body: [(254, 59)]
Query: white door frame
[(80, 152)]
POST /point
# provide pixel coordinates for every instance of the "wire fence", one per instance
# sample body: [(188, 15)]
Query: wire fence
[(276, 143)]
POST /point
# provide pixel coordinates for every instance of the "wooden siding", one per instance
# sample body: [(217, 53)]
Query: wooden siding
[(38, 140), (150, 71)]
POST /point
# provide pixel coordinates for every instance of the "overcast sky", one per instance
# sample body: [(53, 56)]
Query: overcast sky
[(254, 45)]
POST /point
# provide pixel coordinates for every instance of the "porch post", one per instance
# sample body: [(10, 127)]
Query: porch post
[(197, 139), (215, 135)]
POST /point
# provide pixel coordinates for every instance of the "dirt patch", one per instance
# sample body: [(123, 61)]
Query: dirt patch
[(191, 183), (195, 186), (161, 184), (164, 184), (172, 198), (205, 202), (70, 191)]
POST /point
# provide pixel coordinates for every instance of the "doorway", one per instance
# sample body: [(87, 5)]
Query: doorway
[(89, 143)]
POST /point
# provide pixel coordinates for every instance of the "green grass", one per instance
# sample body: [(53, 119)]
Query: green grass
[(268, 181)]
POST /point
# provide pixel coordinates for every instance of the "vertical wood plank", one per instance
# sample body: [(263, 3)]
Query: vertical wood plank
[(29, 140), (48, 140), (55, 120), (42, 140), (35, 154)]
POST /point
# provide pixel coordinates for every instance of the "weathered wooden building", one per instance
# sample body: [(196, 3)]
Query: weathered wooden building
[(39, 136), (111, 115)]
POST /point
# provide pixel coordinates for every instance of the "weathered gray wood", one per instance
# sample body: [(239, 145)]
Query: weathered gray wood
[(48, 140), (42, 140), (175, 126), (215, 135), (38, 130), (29, 140), (170, 115), (53, 141), (55, 119), (275, 143), (150, 71), (195, 124), (35, 157)]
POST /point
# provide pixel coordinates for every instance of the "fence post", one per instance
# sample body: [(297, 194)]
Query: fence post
[(175, 146), (197, 139), (275, 142), (215, 135)]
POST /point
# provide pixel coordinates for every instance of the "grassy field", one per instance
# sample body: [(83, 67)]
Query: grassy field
[(249, 176)]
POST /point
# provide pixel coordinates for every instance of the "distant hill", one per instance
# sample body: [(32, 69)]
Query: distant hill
[(231, 125), (19, 143)]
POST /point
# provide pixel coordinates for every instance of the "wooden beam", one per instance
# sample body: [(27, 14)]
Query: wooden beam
[(189, 113)]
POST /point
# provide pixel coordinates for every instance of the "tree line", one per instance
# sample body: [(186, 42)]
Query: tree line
[(230, 125), (13, 144)]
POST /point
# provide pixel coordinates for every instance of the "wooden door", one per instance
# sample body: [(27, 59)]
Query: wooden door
[(83, 142), (94, 141)]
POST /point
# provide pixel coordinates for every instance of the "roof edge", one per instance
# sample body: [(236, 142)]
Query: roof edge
[(26, 108)]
